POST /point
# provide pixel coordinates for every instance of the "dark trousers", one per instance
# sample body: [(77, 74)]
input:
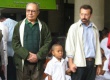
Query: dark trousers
[(11, 70), (2, 74), (30, 72), (85, 73), (1, 71)]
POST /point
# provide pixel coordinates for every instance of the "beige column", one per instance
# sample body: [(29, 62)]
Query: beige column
[(98, 11)]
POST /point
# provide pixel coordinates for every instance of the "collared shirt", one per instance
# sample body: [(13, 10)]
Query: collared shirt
[(32, 36), (88, 40), (30, 24), (74, 45), (56, 69), (10, 23)]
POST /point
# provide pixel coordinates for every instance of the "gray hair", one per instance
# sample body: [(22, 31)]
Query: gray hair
[(37, 4)]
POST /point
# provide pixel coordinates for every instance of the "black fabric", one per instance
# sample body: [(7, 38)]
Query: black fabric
[(85, 73), (11, 70)]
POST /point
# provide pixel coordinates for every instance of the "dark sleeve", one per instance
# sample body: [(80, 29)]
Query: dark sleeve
[(20, 51), (45, 42)]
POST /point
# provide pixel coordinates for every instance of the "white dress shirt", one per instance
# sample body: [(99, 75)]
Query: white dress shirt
[(56, 69), (10, 23), (5, 39)]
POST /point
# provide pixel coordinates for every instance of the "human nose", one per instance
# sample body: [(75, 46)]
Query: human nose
[(83, 15)]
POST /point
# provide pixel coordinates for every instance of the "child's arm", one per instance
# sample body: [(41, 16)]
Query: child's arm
[(49, 77)]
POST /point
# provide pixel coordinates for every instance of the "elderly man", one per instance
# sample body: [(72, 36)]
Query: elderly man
[(31, 40)]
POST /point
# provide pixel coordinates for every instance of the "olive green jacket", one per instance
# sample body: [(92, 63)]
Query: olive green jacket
[(20, 53)]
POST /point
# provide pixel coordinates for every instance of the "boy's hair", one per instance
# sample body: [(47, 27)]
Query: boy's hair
[(87, 7), (53, 47)]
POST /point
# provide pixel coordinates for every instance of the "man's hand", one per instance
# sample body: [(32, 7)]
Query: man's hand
[(32, 57), (73, 67), (98, 71)]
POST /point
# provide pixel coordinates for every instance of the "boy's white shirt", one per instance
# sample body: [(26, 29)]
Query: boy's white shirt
[(56, 69)]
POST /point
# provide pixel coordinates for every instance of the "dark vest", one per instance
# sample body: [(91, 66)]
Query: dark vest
[(32, 38)]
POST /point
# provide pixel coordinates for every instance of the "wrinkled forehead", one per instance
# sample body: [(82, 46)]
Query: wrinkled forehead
[(32, 6)]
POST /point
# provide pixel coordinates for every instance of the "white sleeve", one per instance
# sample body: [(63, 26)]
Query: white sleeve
[(48, 69), (5, 39), (66, 63), (69, 45)]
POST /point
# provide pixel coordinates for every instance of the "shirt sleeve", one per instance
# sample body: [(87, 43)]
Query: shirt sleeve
[(69, 45), (5, 39), (48, 69)]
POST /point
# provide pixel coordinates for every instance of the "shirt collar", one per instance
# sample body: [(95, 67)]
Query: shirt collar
[(90, 24), (56, 60), (27, 22)]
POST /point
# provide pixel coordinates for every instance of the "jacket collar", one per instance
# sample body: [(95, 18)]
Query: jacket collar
[(80, 24), (54, 59)]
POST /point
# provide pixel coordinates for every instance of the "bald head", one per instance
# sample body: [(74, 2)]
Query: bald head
[(54, 46)]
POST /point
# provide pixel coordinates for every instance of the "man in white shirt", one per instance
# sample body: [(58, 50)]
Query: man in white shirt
[(10, 24), (5, 39), (83, 48), (1, 58)]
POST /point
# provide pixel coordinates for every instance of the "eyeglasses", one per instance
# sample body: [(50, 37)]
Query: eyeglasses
[(32, 11), (84, 14)]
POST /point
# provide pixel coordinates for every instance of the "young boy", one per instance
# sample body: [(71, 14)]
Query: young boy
[(56, 68)]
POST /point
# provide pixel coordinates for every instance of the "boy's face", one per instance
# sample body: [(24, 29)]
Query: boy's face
[(58, 52)]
